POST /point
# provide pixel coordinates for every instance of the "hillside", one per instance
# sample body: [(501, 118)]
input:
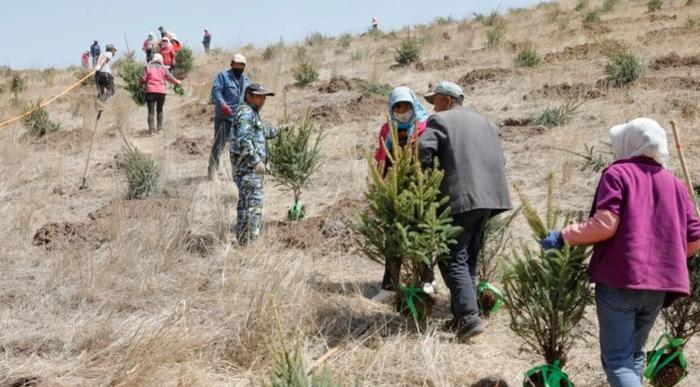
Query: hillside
[(100, 290)]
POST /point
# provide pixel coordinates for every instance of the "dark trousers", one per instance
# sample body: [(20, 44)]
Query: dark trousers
[(155, 102), (392, 274), (459, 272), (206, 48), (149, 55), (222, 130), (105, 85)]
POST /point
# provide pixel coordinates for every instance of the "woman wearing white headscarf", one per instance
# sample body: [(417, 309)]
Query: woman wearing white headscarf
[(643, 227)]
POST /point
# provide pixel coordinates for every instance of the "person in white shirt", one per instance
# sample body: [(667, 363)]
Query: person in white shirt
[(103, 75)]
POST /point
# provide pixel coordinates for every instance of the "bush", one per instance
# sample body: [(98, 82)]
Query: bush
[(142, 175), (609, 5), (682, 318), (377, 88), (131, 71), (316, 39), (444, 21), (17, 85), (556, 116), (375, 33), (490, 20), (654, 5), (270, 51), (184, 63), (495, 35), (528, 57), (345, 40), (294, 158), (689, 3), (692, 22), (38, 123), (581, 5), (591, 17), (408, 52), (305, 73), (623, 68)]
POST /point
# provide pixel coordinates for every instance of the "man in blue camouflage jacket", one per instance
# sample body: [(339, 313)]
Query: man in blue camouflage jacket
[(248, 144)]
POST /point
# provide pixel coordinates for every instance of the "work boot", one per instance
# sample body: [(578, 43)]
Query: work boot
[(465, 328)]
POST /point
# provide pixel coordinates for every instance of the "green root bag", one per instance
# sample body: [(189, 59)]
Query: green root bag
[(297, 212), (552, 375), (412, 295), (179, 90), (670, 349), (483, 286)]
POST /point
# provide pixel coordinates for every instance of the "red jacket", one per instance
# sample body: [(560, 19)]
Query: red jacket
[(168, 54), (154, 76), (380, 155)]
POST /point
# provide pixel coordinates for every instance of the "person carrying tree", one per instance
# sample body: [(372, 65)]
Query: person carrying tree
[(469, 151), (154, 77), (248, 151), (409, 117), (643, 227), (227, 92)]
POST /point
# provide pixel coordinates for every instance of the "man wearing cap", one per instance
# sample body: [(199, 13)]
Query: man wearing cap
[(468, 149), (103, 76), (227, 93), (248, 150), (95, 52), (206, 41)]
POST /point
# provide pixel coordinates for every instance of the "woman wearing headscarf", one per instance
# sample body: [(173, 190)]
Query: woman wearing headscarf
[(154, 77), (409, 117), (643, 227)]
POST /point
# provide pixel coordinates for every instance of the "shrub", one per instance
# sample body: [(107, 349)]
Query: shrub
[(495, 35), (184, 63), (38, 123), (581, 5), (270, 51), (609, 5), (654, 5), (682, 318), (142, 175), (689, 3), (444, 21), (294, 158), (409, 51), (288, 369), (591, 17), (17, 85), (490, 20), (316, 39), (623, 68), (692, 22), (305, 73), (345, 40), (556, 116), (375, 33), (376, 88), (528, 57), (131, 70)]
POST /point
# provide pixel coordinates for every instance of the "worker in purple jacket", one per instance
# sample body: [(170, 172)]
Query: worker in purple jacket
[(644, 227)]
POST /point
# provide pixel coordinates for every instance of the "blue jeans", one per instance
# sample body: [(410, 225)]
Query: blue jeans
[(625, 318)]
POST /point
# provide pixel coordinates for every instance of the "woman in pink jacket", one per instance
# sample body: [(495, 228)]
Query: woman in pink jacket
[(154, 77)]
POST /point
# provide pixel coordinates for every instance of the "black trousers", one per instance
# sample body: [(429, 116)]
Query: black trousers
[(105, 85), (222, 130), (155, 102), (459, 272)]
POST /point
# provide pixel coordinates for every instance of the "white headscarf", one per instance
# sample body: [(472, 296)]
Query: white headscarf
[(640, 137)]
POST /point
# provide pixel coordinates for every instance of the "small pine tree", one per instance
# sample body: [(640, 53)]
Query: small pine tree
[(17, 86), (294, 157), (184, 63), (655, 5), (407, 222), (305, 73), (683, 316), (38, 123), (408, 51), (131, 71), (623, 68), (547, 291), (142, 175), (528, 57)]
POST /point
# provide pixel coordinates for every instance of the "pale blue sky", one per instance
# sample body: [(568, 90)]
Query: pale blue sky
[(42, 33)]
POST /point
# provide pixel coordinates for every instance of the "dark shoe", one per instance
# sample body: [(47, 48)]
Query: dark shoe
[(465, 328)]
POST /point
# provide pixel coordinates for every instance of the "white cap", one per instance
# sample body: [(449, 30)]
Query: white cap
[(157, 58), (173, 37), (239, 58), (150, 34)]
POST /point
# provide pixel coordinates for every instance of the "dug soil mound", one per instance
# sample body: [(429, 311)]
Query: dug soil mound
[(60, 236), (331, 231), (568, 91), (191, 146), (674, 60), (194, 113), (583, 51), (138, 209), (341, 83), (483, 75), (443, 64), (666, 34), (670, 83)]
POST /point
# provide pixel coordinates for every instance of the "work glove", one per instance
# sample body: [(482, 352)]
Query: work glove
[(226, 110), (260, 168), (554, 240)]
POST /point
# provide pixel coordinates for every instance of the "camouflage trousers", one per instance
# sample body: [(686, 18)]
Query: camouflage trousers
[(250, 205)]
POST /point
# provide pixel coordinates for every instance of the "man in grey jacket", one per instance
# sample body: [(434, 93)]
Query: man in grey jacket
[(468, 148)]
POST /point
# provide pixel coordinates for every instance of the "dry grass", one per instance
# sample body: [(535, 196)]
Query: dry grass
[(151, 306)]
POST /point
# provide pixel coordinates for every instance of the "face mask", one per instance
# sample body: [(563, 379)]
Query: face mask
[(238, 72), (404, 117)]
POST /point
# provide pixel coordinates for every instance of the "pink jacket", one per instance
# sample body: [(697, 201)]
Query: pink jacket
[(380, 153), (154, 76)]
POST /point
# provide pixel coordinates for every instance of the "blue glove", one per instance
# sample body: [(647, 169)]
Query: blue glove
[(553, 240)]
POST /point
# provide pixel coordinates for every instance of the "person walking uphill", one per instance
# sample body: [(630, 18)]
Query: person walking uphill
[(103, 76), (206, 41), (154, 77), (643, 227), (409, 117), (95, 52), (468, 148), (150, 46), (248, 149), (227, 93)]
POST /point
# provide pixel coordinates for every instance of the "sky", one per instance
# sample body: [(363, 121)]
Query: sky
[(53, 33)]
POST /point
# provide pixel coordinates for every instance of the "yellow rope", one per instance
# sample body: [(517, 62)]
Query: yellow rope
[(64, 92)]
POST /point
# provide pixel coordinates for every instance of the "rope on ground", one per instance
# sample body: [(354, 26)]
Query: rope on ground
[(43, 104)]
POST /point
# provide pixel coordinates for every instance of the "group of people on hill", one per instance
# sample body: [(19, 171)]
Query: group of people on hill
[(643, 223)]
